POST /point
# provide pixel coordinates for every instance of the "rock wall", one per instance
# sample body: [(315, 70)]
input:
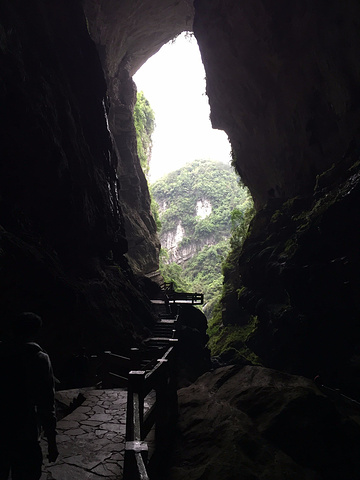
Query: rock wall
[(58, 163), (282, 81), (143, 243), (62, 235), (126, 35), (121, 34), (256, 423), (298, 275), (132, 31)]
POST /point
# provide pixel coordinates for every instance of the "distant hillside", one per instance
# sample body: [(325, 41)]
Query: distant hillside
[(196, 207)]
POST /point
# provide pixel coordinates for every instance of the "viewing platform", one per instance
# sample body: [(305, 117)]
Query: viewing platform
[(169, 296)]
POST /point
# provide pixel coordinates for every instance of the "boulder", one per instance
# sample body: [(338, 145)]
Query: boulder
[(254, 423)]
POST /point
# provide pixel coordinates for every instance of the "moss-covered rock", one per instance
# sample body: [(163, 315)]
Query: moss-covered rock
[(298, 273)]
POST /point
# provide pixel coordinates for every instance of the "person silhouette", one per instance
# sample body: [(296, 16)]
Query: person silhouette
[(26, 401)]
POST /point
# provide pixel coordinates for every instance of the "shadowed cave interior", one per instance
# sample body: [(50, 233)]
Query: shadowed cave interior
[(283, 83)]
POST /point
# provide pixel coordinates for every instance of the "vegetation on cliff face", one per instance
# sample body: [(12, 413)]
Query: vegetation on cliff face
[(203, 212), (144, 119), (200, 205), (201, 197), (289, 292), (229, 341)]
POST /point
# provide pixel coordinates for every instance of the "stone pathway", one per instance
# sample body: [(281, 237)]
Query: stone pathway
[(91, 440)]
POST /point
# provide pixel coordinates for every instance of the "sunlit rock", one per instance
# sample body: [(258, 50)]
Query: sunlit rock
[(203, 208)]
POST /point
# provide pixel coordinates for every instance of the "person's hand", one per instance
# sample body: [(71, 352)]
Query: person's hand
[(53, 452)]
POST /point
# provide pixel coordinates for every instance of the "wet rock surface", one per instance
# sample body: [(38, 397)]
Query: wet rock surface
[(255, 423), (298, 275), (142, 240)]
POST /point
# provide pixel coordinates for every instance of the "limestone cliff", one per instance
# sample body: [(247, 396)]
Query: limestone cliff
[(140, 227), (195, 207)]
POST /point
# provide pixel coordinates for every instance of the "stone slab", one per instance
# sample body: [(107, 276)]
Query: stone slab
[(91, 440)]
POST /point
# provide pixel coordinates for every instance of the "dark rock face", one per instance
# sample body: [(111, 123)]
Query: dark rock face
[(255, 423), (140, 227), (126, 35), (131, 32), (60, 213), (57, 170), (298, 273), (282, 81), (193, 356)]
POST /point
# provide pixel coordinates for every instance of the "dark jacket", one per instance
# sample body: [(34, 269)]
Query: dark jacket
[(26, 391)]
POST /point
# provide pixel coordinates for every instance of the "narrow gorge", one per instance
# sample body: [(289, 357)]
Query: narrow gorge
[(78, 242)]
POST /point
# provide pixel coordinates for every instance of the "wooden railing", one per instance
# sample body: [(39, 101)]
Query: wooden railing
[(161, 415), (115, 369), (152, 370), (180, 297)]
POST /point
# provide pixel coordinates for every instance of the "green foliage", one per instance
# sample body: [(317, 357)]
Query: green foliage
[(155, 212), (204, 272), (173, 272), (240, 226), (234, 337), (144, 119), (200, 180), (180, 192)]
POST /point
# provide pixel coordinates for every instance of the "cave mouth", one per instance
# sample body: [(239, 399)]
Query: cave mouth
[(173, 81), (184, 148)]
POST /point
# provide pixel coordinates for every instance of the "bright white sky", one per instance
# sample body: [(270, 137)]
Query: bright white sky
[(173, 81)]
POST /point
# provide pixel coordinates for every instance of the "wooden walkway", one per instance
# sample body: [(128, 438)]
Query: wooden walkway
[(112, 426)]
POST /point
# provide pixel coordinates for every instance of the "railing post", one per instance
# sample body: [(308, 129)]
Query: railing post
[(135, 405), (135, 359), (161, 421), (172, 397), (104, 369), (134, 424)]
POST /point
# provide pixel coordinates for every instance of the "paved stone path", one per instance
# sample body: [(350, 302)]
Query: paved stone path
[(91, 440)]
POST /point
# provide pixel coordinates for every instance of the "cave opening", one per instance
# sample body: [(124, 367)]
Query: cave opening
[(173, 81), (283, 81), (198, 196)]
